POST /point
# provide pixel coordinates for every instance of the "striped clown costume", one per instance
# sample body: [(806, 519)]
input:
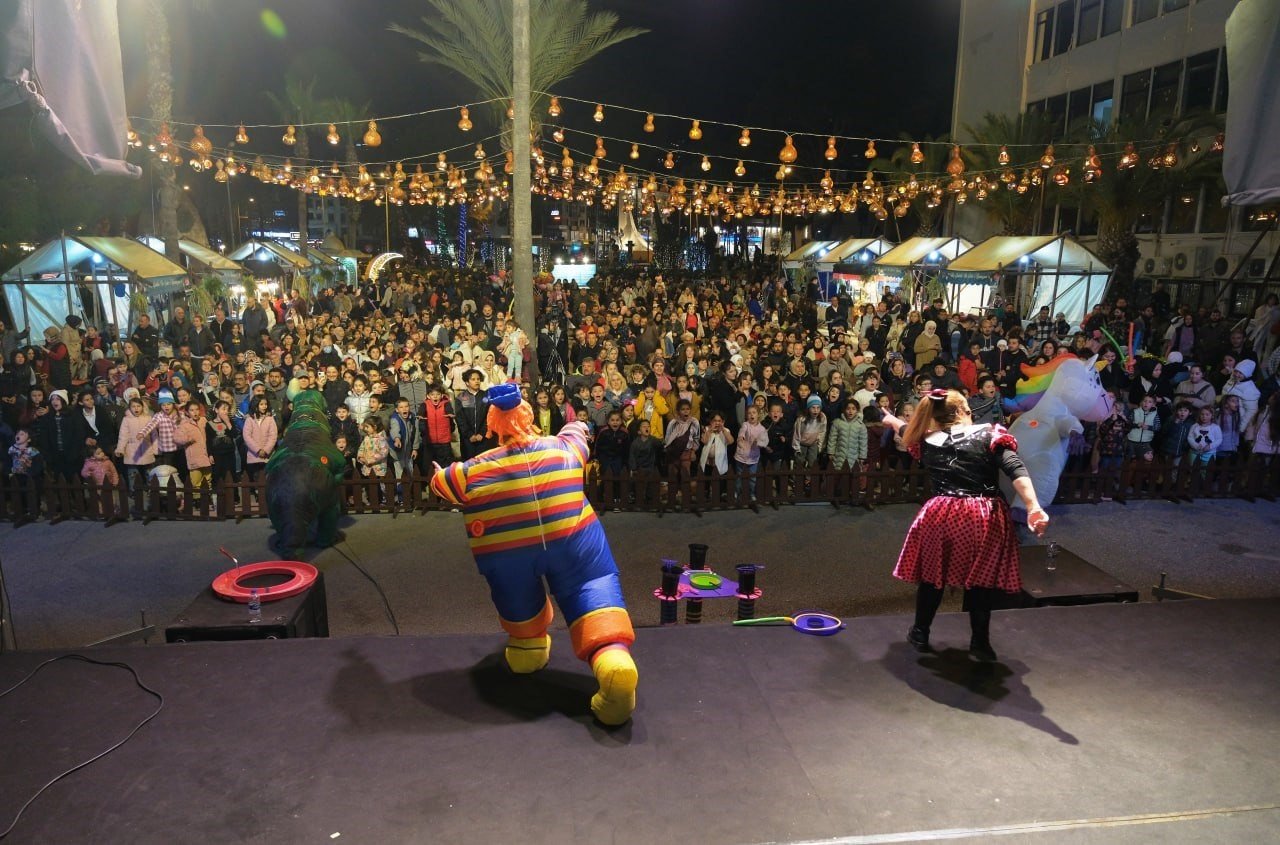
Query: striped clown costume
[(530, 528)]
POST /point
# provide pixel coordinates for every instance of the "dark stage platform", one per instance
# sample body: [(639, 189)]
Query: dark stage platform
[(1129, 723)]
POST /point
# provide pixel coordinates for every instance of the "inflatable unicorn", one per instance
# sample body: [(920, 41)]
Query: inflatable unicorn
[(1053, 400)]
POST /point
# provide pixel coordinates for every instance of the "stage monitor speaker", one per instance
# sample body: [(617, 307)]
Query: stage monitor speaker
[(212, 618)]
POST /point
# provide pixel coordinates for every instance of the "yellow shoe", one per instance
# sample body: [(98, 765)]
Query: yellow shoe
[(616, 672), (528, 654)]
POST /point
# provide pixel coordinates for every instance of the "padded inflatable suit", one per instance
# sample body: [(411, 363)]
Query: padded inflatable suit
[(303, 475)]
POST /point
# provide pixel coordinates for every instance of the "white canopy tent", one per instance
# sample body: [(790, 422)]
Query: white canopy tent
[(212, 260), (629, 232), (795, 259), (1052, 270), (853, 251), (262, 249), (53, 281), (917, 260)]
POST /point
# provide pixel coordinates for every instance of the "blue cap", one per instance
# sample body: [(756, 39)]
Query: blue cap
[(165, 396), (505, 397)]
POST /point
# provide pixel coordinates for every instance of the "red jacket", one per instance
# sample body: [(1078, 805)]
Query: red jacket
[(968, 372), (437, 421)]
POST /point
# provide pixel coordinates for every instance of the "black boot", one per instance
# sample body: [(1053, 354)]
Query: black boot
[(980, 621), (928, 598)]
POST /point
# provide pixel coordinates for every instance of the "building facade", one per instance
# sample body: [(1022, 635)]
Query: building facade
[(1111, 60)]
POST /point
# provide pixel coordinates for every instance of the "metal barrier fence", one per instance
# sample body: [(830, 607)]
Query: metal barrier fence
[(23, 500)]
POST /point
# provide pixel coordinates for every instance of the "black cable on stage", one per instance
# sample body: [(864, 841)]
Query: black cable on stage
[(6, 613), (391, 614), (137, 680)]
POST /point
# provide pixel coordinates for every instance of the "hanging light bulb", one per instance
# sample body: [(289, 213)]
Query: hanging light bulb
[(781, 173), (464, 119), (870, 152), (598, 117), (479, 154), (1061, 175), (955, 166), (131, 136), (695, 131), (740, 170), (290, 136), (787, 154), (200, 145), (164, 143), (371, 136), (1129, 159), (232, 167), (600, 152), (1003, 158), (706, 164), (917, 155), (669, 162), (332, 136), (442, 164), (554, 108), (635, 152), (1046, 160), (221, 175), (1171, 156), (242, 137)]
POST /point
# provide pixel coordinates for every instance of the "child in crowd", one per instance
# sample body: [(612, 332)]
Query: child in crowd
[(1142, 433), (811, 433), (985, 405), (752, 438), (899, 455), (26, 468), (98, 469), (1229, 423), (1174, 441), (1204, 438), (1109, 447), (372, 454)]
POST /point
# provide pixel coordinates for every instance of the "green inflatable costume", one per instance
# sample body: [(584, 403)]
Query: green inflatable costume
[(303, 478)]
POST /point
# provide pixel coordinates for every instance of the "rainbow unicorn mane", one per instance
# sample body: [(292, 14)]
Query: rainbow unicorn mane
[(1032, 387)]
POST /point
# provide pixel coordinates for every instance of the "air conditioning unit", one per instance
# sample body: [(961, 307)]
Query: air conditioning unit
[(1155, 266), (1182, 266), (1221, 267), (1257, 268)]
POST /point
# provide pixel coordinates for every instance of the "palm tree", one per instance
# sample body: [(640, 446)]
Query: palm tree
[(472, 38), (160, 103), (1025, 137), (1120, 196), (297, 106), (476, 40)]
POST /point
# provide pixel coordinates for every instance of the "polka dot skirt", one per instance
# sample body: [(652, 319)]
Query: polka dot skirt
[(962, 542)]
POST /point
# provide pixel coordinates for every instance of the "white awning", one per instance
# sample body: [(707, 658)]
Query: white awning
[(915, 251), (138, 259), (265, 250), (856, 250)]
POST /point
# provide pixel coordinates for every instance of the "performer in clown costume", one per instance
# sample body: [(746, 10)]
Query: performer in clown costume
[(529, 522)]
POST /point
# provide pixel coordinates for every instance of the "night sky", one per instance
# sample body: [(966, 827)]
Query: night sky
[(836, 66)]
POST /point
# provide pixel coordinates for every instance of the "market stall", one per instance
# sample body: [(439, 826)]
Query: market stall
[(89, 276), (1052, 270), (917, 263)]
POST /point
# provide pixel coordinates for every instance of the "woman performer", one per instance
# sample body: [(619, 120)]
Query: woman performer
[(963, 536)]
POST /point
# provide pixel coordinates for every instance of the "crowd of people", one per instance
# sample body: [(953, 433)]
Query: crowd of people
[(678, 376)]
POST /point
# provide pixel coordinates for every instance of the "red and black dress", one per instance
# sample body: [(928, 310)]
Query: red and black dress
[(964, 536)]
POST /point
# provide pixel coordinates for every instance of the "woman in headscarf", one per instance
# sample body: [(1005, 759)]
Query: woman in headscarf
[(927, 346)]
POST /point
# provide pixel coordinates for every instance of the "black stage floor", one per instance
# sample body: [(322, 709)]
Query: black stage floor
[(1107, 723)]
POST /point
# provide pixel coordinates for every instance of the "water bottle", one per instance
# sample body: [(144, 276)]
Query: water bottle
[(1051, 556), (255, 607)]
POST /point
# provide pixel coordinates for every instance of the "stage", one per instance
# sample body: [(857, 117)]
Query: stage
[(1106, 723)]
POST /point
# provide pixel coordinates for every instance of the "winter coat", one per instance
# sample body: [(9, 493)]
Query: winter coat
[(127, 446), (847, 444), (260, 435), (100, 470), (191, 436)]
